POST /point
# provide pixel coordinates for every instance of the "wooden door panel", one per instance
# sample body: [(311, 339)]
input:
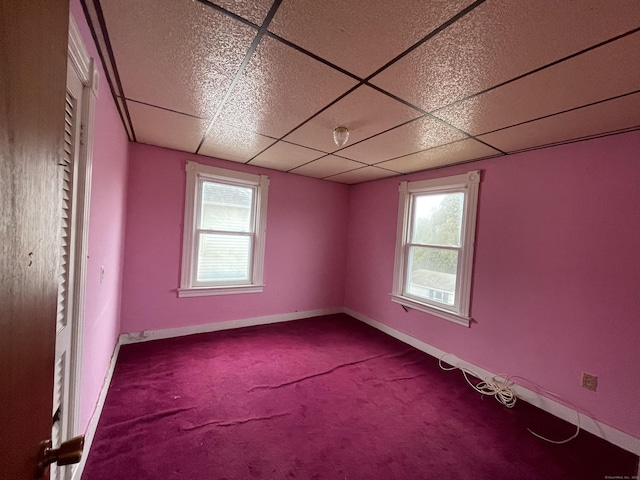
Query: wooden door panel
[(33, 57)]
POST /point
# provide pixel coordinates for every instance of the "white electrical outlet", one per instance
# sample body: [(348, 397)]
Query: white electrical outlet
[(138, 336)]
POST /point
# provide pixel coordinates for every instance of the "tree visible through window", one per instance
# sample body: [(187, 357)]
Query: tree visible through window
[(437, 222)]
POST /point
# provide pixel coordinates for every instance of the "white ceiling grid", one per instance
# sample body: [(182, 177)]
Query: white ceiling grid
[(419, 83)]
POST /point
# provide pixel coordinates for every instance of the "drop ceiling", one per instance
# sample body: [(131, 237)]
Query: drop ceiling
[(419, 83)]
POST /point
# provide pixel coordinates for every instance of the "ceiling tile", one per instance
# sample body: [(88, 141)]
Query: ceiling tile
[(281, 88), (360, 36), (326, 166), (176, 54), (414, 136), (163, 128), (500, 40), (364, 174), (252, 10), (614, 115), (606, 72), (235, 144), (364, 112), (457, 152), (285, 156)]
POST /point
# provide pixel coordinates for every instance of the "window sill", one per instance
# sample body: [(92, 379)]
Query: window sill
[(207, 291), (452, 317)]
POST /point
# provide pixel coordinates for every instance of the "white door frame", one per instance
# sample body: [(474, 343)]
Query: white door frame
[(84, 66)]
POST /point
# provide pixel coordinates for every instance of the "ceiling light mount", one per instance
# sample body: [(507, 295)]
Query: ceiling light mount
[(340, 136)]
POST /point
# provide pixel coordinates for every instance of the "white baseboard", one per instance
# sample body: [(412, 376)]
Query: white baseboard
[(97, 411), (147, 335), (591, 425)]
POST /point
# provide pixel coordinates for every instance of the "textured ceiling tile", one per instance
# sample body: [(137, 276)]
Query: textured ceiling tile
[(252, 10), (461, 151), (285, 156), (500, 40), (280, 88), (162, 128), (412, 137), (618, 114), (605, 72), (176, 54), (229, 143), (326, 166), (360, 35), (364, 174), (364, 112)]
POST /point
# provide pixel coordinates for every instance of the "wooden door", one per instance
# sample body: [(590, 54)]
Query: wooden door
[(33, 59)]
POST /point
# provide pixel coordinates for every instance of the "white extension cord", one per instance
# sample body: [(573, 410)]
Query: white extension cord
[(499, 387)]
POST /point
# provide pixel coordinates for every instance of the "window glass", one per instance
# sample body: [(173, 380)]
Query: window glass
[(432, 274), (224, 258), (226, 207), (437, 219)]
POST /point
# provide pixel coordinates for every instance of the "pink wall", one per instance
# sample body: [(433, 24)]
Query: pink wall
[(556, 276), (305, 246), (106, 237)]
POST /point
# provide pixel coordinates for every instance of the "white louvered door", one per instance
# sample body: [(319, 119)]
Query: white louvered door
[(64, 318)]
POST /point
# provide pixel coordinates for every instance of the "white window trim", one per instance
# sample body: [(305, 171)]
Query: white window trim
[(195, 171), (469, 182)]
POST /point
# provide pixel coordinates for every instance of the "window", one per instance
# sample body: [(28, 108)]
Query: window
[(434, 246), (224, 231)]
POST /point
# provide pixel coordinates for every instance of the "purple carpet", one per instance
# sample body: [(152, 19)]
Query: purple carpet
[(323, 398)]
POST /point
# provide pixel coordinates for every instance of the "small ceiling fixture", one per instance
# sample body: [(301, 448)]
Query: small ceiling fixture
[(340, 135)]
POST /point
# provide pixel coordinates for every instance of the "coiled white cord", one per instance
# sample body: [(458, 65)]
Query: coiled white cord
[(500, 388), (497, 388)]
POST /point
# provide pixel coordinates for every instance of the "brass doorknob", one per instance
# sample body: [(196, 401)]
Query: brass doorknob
[(68, 453)]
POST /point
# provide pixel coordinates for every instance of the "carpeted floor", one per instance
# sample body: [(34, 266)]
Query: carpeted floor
[(323, 398)]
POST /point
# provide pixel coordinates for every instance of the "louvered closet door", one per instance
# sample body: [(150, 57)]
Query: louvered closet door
[(67, 174)]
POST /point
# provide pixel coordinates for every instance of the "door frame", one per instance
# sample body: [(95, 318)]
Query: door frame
[(84, 66)]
